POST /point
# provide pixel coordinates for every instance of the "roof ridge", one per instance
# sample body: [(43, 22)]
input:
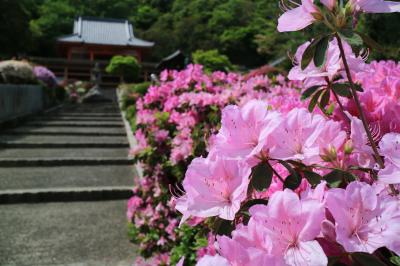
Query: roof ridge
[(90, 18)]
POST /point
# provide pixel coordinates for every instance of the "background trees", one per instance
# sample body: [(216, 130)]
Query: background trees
[(244, 30)]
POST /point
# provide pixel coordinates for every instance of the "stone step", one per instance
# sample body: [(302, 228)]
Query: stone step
[(63, 153), (77, 114), (67, 131), (40, 145), (75, 161), (64, 194), (76, 118), (57, 139), (73, 124), (26, 178), (73, 234), (91, 110)]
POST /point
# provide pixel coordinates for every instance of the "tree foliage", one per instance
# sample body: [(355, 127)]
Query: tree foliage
[(244, 30), (125, 66), (212, 60)]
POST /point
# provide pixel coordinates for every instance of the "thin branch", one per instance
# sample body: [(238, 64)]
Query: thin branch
[(275, 172), (358, 104), (378, 157)]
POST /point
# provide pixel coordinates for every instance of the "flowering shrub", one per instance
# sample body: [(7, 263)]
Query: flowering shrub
[(269, 181), (174, 120), (45, 75), (16, 72), (307, 187)]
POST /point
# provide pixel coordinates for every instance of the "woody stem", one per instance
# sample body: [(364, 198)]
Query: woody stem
[(378, 157)]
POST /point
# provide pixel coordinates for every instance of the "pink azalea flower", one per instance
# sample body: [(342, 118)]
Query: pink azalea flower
[(304, 136), (214, 188), (298, 18), (208, 260), (181, 261), (292, 226), (364, 220), (374, 6), (362, 151), (330, 4), (245, 131), (332, 67), (390, 148)]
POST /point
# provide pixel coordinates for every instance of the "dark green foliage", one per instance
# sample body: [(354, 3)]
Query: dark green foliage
[(192, 239), (261, 177), (312, 177), (293, 180), (241, 29), (310, 91), (361, 258), (212, 60), (125, 66)]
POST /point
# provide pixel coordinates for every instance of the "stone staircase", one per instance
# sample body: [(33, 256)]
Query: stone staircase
[(65, 163)]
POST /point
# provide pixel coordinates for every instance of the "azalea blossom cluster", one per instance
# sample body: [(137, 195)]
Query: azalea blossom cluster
[(45, 75), (307, 186), (301, 227), (174, 121)]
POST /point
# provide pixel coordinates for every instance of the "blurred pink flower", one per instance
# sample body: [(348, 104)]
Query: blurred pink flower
[(298, 18), (390, 148), (374, 6), (208, 260), (364, 220)]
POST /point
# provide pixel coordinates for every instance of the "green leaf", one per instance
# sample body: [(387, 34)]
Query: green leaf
[(292, 181), (312, 178), (351, 37), (395, 260), (325, 97), (308, 54), (314, 101), (261, 177), (223, 227), (342, 89), (320, 51), (336, 177), (310, 91), (330, 109), (246, 206), (358, 87), (361, 258)]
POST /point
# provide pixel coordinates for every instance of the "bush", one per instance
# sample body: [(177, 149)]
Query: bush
[(16, 72), (173, 120), (130, 92), (125, 66), (45, 75), (212, 60)]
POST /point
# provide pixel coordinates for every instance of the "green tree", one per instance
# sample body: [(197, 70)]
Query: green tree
[(127, 67), (212, 60)]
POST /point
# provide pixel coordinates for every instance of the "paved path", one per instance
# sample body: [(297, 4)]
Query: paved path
[(64, 181)]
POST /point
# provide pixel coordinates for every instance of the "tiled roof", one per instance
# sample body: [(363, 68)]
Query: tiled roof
[(104, 31)]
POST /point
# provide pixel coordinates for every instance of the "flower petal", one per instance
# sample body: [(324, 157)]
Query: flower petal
[(294, 20)]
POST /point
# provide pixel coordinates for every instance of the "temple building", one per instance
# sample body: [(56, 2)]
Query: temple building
[(101, 39)]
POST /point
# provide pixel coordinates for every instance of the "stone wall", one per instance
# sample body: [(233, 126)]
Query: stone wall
[(19, 100)]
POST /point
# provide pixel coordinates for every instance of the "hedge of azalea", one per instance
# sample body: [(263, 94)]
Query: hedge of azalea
[(173, 123), (269, 171)]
